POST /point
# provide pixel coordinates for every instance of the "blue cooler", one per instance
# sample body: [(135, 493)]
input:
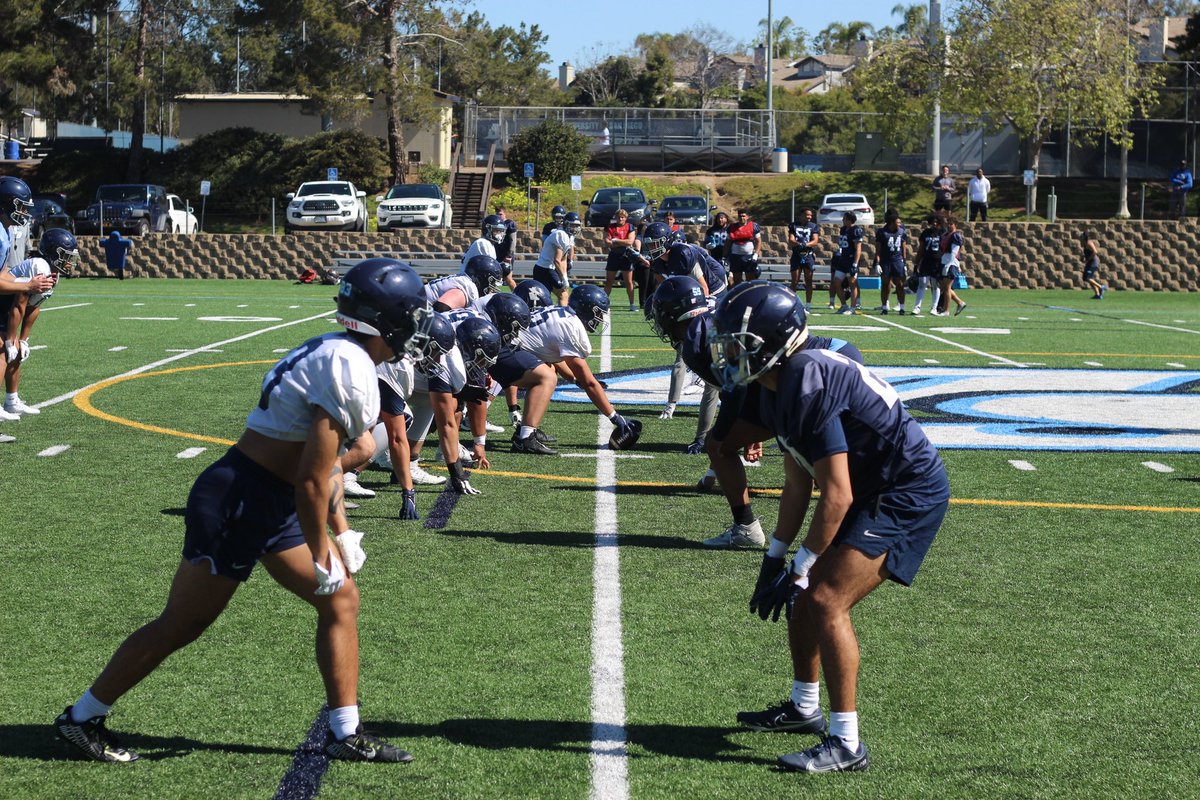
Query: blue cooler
[(12, 150)]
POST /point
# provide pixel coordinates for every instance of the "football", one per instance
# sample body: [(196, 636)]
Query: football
[(617, 441)]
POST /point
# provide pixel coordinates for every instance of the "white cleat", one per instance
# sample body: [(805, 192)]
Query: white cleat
[(739, 536), (353, 488), (20, 408), (494, 428), (8, 416), (423, 478)]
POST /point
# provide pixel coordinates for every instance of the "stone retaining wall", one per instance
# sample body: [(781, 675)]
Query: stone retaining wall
[(1151, 255)]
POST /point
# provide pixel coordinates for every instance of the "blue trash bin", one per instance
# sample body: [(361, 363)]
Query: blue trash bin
[(12, 150)]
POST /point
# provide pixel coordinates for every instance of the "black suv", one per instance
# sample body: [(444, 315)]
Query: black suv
[(128, 207), (605, 202)]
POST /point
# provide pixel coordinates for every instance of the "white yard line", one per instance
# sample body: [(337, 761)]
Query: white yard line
[(600, 454), (60, 308), (55, 450), (1024, 466), (950, 342), (191, 452), (1156, 325), (1157, 467), (185, 354), (609, 756)]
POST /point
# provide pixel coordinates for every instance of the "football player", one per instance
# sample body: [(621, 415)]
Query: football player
[(803, 236), (952, 245), (58, 253), (884, 493), (554, 262), (929, 266), (495, 233), (891, 255), (557, 215), (506, 247), (742, 247), (16, 203), (479, 278), (845, 264), (267, 500)]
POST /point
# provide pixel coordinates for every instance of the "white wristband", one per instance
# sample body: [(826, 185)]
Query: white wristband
[(481, 441), (776, 548), (803, 561)]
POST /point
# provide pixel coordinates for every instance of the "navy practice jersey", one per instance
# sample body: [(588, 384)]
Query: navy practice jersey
[(687, 259), (827, 404), (890, 246), (714, 241), (549, 228), (696, 352), (804, 232), (848, 237), (931, 246), (837, 345)]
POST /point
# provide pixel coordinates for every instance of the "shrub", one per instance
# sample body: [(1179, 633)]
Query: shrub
[(558, 150)]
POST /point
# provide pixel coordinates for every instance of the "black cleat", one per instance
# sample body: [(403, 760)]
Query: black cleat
[(363, 746), (831, 755), (544, 437), (91, 739), (532, 445), (783, 717)]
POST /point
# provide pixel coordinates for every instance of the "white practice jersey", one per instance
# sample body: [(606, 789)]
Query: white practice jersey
[(451, 373), (332, 372), (555, 333), (20, 245), (27, 269), (435, 289), (557, 240), (482, 246), (398, 375)]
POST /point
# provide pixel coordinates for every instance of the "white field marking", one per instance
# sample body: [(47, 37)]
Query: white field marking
[(189, 305), (1000, 359), (55, 450), (968, 331), (244, 305), (1035, 363), (60, 308), (609, 756), (191, 452), (597, 355), (293, 306), (281, 350), (39, 347), (1179, 321), (117, 349), (1024, 466), (932, 361), (208, 348), (1157, 467), (1176, 365), (1093, 364), (1023, 319), (151, 319), (1156, 325), (239, 319), (1076, 319), (598, 452), (970, 316), (182, 350), (139, 304), (855, 328)]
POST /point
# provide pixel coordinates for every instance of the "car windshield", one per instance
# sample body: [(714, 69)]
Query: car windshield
[(121, 194), (323, 188), (682, 204), (843, 199), (426, 190), (625, 197), (45, 206)]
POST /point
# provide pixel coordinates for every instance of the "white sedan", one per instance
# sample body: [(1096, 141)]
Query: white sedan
[(182, 218), (835, 205)]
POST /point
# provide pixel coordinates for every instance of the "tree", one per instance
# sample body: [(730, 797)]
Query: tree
[(839, 37), (496, 66), (608, 82), (558, 150), (791, 41), (655, 79)]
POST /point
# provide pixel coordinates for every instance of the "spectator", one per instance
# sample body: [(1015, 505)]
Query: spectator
[(944, 189), (742, 246), (605, 139), (116, 247), (977, 195), (952, 251), (716, 235), (1091, 266), (1181, 183), (620, 236)]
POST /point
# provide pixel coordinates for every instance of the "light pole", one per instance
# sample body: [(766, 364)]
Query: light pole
[(1123, 187), (935, 36), (770, 78)]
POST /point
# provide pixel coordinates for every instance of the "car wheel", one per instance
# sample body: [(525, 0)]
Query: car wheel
[(143, 227)]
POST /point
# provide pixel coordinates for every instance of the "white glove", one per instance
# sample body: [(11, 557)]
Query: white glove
[(878, 270), (465, 487), (348, 544), (515, 416), (329, 581), (24, 347), (13, 352)]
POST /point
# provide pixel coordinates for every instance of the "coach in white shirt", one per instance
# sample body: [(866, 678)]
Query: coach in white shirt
[(977, 195)]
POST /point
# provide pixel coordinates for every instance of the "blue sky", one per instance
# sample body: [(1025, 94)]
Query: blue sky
[(576, 29)]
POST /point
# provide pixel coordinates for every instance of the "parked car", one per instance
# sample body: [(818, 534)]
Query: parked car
[(182, 218), (834, 205), (413, 205), (137, 208), (49, 211), (605, 202), (325, 206), (688, 209)]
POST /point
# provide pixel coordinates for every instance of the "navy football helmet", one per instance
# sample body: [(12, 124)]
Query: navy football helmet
[(16, 200), (590, 304), (60, 249), (479, 342), (509, 314), (534, 293), (485, 272), (558, 213), (441, 341), (756, 325), (656, 239), (385, 297), (572, 224), (494, 228), (677, 298)]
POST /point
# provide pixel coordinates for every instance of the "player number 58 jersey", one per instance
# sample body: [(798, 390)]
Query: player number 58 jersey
[(556, 333)]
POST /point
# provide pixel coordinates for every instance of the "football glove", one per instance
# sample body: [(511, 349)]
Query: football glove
[(696, 448), (516, 417), (626, 433), (459, 481), (329, 580), (409, 511), (12, 351), (768, 573), (24, 350), (349, 544)]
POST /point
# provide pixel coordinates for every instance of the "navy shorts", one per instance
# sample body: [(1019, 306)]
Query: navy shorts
[(744, 265), (1090, 269), (894, 271), (390, 401), (512, 365), (236, 513), (617, 261), (802, 262), (550, 278), (901, 524), (930, 269)]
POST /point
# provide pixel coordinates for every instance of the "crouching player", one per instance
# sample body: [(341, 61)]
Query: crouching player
[(884, 493), (266, 500)]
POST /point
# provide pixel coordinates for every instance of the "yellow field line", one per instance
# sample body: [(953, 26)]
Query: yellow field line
[(83, 401)]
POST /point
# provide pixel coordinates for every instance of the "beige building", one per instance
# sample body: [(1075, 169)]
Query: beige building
[(286, 114)]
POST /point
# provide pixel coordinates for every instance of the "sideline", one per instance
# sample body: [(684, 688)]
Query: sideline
[(609, 750)]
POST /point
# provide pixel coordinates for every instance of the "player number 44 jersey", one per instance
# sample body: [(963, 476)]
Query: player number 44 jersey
[(556, 333)]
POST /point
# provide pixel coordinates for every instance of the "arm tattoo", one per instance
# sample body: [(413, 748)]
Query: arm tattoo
[(336, 490)]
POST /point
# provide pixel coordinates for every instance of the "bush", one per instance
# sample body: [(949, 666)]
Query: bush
[(432, 173), (558, 150)]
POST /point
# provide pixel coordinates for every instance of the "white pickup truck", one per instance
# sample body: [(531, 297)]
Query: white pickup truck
[(326, 205)]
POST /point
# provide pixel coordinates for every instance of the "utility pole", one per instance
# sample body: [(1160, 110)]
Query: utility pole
[(770, 78), (935, 45)]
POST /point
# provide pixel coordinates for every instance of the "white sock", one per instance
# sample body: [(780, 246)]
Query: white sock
[(88, 707), (807, 697), (937, 298), (13, 399), (343, 721), (414, 464), (844, 725), (525, 432)]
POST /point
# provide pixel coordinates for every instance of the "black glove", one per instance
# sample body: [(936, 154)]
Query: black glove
[(409, 511), (459, 480), (473, 394), (767, 573)]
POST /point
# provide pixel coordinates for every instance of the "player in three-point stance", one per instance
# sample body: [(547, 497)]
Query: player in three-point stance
[(267, 499), (884, 493)]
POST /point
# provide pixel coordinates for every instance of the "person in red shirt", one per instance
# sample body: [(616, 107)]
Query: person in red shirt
[(620, 236), (742, 246)]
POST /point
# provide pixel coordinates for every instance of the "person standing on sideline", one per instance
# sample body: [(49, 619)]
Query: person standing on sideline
[(891, 255), (844, 267), (620, 237), (1091, 266), (1181, 184), (952, 250), (929, 262), (803, 236), (944, 189), (116, 247), (504, 250), (977, 195)]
